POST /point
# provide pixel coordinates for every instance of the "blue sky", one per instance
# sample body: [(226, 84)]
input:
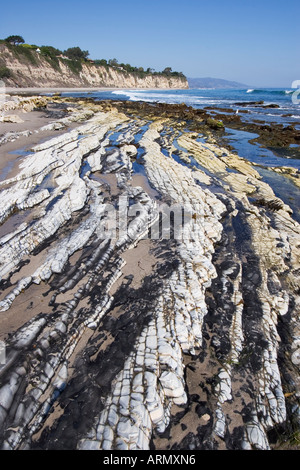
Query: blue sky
[(253, 42)]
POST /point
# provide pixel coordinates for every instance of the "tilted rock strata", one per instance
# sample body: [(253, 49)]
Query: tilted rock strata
[(147, 319), (154, 372)]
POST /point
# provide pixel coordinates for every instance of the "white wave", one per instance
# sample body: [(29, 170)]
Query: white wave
[(132, 95), (288, 92), (162, 97), (119, 92), (148, 94), (250, 90), (295, 117)]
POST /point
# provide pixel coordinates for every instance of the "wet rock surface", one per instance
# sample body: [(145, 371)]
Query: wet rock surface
[(149, 288)]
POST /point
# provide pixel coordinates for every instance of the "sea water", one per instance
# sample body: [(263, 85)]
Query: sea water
[(287, 100), (286, 112)]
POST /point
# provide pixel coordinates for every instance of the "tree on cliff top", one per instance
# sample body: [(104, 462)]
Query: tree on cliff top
[(76, 53), (167, 71), (15, 40), (113, 62), (50, 51)]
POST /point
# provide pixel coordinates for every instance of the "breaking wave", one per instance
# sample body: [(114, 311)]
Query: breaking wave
[(272, 92), (161, 97)]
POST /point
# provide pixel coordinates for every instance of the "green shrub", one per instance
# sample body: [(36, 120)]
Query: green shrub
[(100, 62), (75, 53), (29, 54), (74, 65), (50, 54), (5, 72), (29, 46), (50, 51), (54, 62)]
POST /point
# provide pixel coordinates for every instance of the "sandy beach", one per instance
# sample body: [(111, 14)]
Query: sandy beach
[(41, 91), (24, 135)]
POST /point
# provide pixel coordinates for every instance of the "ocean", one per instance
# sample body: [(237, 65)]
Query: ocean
[(278, 107), (287, 112)]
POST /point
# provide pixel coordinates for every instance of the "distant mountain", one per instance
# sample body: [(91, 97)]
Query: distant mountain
[(209, 82)]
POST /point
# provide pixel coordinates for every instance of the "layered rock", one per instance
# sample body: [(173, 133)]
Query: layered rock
[(44, 73), (158, 279)]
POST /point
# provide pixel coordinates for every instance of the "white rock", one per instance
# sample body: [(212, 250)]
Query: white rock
[(89, 445), (171, 384)]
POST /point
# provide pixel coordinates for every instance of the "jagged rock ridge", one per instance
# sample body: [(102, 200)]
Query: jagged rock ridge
[(139, 329)]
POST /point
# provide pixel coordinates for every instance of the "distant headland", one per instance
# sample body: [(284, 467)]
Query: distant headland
[(209, 82)]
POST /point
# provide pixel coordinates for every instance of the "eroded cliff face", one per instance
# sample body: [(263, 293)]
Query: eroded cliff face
[(42, 73)]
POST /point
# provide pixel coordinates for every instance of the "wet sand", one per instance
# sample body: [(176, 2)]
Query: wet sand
[(35, 299), (25, 135), (41, 91)]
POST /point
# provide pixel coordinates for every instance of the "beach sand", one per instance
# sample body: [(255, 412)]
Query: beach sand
[(36, 298), (19, 145), (49, 90), (39, 91)]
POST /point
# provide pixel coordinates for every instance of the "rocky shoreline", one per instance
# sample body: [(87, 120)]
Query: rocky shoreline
[(149, 284)]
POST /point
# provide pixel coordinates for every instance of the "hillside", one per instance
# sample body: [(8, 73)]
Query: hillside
[(23, 67), (209, 82)]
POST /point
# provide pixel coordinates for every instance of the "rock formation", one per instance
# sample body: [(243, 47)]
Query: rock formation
[(153, 284), (41, 72)]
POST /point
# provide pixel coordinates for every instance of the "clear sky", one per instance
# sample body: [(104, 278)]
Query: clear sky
[(255, 42)]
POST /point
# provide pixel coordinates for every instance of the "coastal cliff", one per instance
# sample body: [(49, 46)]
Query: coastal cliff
[(31, 69)]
